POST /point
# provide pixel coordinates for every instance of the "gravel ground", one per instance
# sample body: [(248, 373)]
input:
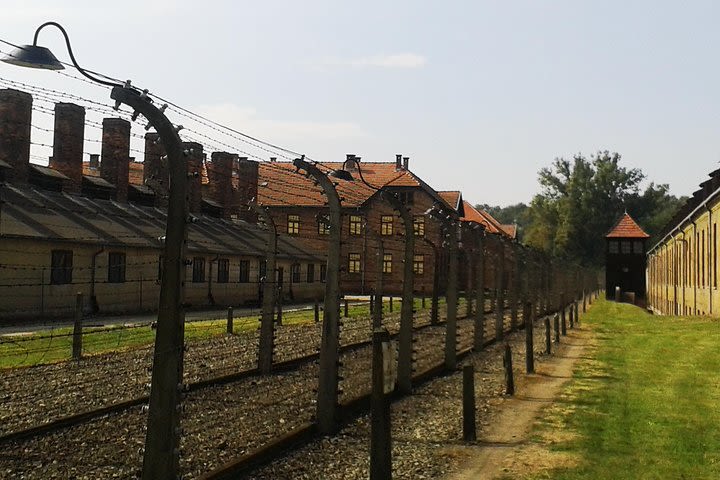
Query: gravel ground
[(261, 407), (424, 425)]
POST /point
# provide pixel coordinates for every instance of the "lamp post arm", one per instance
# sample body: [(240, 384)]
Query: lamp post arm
[(72, 56)]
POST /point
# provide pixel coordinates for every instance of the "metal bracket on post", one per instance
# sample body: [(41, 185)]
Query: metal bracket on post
[(407, 307), (434, 300), (267, 326), (327, 399), (479, 334), (384, 371), (451, 298), (162, 442), (499, 298)]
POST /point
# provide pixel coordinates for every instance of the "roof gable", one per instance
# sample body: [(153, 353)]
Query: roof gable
[(626, 228)]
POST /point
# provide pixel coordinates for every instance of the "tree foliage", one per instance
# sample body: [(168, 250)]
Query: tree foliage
[(517, 214), (582, 198)]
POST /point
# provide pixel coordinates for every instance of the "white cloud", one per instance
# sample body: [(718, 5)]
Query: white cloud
[(399, 60)]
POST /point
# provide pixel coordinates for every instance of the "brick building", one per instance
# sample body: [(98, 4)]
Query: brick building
[(682, 267), (89, 227), (299, 209)]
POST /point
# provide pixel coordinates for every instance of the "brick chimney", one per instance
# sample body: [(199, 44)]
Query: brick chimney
[(115, 155), (406, 163), (68, 139), (155, 172), (247, 188), (351, 162), (15, 121), (94, 163), (398, 161), (219, 172), (194, 168)]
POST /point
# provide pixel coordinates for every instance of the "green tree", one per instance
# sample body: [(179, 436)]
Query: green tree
[(517, 214), (582, 198)]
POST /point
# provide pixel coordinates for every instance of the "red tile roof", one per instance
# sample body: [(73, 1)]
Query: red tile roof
[(626, 228), (382, 174), (510, 230), (491, 225), (135, 173), (279, 184), (452, 198)]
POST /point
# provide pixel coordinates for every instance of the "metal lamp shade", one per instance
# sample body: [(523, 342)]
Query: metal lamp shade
[(342, 175), (34, 57)]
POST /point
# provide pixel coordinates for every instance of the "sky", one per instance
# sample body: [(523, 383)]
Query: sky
[(479, 94)]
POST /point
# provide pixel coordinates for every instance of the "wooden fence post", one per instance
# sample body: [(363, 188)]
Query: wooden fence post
[(469, 427), (77, 328), (230, 320), (548, 339), (529, 347), (507, 363)]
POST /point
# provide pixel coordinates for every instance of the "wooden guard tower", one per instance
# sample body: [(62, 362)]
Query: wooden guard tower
[(625, 261)]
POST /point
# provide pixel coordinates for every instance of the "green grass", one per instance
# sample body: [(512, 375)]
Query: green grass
[(52, 346), (648, 407)]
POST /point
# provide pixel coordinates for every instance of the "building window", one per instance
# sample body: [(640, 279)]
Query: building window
[(355, 224), (354, 263), (387, 263), (223, 270), (244, 275), (293, 224), (386, 225), (323, 225), (419, 225), (311, 273), (61, 267), (625, 246), (637, 246), (116, 267), (406, 197), (418, 264), (613, 246), (295, 273), (198, 270), (323, 272)]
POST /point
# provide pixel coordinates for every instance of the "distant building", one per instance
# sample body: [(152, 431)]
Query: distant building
[(682, 267), (625, 260)]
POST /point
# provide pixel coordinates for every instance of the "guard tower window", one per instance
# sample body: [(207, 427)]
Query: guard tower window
[(613, 246)]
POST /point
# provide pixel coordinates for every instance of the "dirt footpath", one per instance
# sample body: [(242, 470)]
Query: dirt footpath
[(502, 449)]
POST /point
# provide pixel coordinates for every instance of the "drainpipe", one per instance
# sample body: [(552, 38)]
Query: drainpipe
[(210, 275), (93, 262)]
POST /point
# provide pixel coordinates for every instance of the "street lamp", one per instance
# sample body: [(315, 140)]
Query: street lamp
[(161, 455)]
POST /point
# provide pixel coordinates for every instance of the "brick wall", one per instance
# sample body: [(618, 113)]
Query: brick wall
[(68, 140), (115, 155), (15, 125)]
